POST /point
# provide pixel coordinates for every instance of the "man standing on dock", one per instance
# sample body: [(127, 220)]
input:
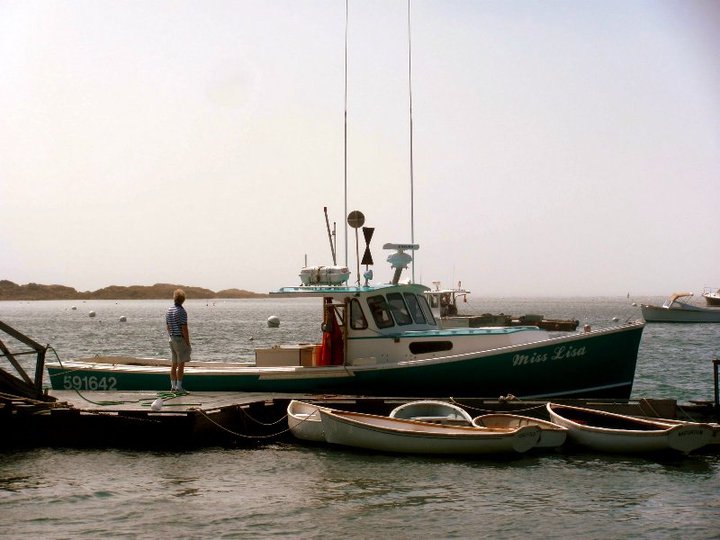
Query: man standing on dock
[(177, 327)]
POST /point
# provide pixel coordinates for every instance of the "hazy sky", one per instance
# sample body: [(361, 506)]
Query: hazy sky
[(560, 147)]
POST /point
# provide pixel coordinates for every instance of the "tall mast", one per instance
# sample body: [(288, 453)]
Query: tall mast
[(412, 187), (345, 135)]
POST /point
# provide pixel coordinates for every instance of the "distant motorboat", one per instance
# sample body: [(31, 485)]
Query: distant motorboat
[(619, 433), (676, 309)]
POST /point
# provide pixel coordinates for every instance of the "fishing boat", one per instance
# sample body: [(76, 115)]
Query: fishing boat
[(429, 410), (711, 296), (677, 309), (619, 433), (382, 339), (399, 435), (551, 434), (304, 421), (444, 303)]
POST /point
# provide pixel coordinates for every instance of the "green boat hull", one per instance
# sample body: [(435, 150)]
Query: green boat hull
[(600, 365)]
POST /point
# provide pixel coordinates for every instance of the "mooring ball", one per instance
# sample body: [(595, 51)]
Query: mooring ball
[(273, 321), (91, 314), (123, 318), (157, 404)]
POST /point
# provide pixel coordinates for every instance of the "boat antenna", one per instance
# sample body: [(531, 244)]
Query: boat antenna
[(345, 209), (330, 237), (412, 187)]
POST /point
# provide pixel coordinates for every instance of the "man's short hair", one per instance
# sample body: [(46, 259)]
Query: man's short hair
[(179, 296)]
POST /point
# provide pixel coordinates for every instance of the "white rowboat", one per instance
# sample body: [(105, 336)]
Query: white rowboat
[(429, 410), (304, 421), (610, 432), (398, 435), (551, 435)]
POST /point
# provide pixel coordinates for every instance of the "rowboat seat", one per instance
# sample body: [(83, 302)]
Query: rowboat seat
[(451, 420)]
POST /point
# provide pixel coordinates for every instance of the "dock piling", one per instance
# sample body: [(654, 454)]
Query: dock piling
[(716, 364)]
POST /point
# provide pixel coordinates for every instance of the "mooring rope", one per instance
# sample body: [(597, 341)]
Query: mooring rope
[(260, 423), (503, 399), (242, 435)]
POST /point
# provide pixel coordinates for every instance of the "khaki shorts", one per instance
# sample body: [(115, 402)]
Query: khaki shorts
[(179, 349)]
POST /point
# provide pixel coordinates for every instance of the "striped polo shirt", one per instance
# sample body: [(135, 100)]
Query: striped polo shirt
[(176, 317)]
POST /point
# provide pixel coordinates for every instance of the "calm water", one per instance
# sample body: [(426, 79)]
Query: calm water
[(295, 491)]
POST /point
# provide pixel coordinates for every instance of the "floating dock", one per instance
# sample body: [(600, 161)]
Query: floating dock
[(231, 419)]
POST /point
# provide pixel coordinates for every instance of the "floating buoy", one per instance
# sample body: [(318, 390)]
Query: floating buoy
[(586, 328), (634, 304), (615, 319), (74, 308), (157, 404), (273, 321), (91, 314), (123, 318)]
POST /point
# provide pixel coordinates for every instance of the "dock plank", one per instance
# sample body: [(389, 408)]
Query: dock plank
[(140, 401)]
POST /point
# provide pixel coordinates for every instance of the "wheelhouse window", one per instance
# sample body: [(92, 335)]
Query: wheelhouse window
[(415, 309), (380, 311), (357, 317), (426, 309), (399, 309)]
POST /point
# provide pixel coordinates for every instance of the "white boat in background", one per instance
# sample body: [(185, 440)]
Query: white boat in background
[(711, 296), (619, 433), (551, 434), (678, 310), (398, 435), (444, 303), (429, 410), (304, 421)]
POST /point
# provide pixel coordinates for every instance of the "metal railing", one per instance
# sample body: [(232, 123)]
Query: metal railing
[(22, 385)]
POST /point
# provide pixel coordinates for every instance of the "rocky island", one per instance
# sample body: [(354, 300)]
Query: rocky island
[(35, 291)]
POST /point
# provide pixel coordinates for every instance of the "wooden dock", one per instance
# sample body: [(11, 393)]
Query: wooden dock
[(229, 419)]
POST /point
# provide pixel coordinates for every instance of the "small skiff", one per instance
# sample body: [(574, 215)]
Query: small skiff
[(399, 435), (304, 421), (610, 432), (551, 435), (429, 410)]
